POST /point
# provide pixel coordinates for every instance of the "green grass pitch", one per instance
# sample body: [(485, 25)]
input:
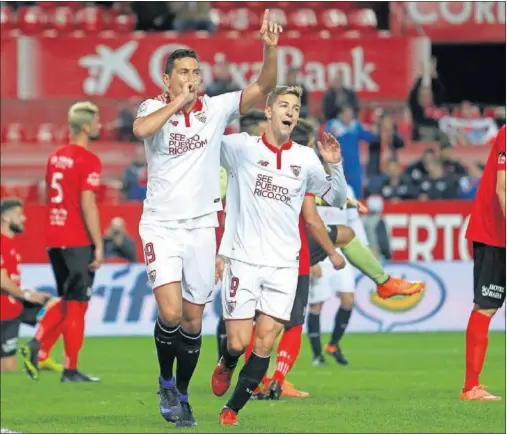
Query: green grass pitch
[(405, 383)]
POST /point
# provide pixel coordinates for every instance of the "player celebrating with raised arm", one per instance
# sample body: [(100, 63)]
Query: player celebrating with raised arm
[(486, 230), (74, 242), (182, 136), (272, 176)]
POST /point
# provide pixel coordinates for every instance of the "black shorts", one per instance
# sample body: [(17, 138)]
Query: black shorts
[(29, 314), (74, 280), (297, 315), (489, 276), (317, 253), (9, 332)]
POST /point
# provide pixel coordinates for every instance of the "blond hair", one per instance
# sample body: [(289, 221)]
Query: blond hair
[(80, 114), (284, 90)]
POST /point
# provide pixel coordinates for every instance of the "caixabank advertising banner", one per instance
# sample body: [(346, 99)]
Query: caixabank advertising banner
[(123, 304)]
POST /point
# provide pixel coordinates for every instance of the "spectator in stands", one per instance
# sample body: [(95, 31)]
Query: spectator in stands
[(394, 185), (446, 158), (386, 143), (376, 229), (437, 184), (349, 133), (294, 79), (419, 169), (192, 15), (404, 124), (222, 81), (426, 94), (125, 121), (134, 177), (469, 184), (117, 243), (337, 97), (153, 15)]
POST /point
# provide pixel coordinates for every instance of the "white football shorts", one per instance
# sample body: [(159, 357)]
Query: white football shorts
[(248, 288), (181, 255), (331, 282)]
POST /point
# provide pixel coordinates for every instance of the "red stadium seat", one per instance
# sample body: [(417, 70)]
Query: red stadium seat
[(489, 112), (219, 18), (27, 192), (61, 19), (243, 19), (334, 19), (91, 19), (7, 18), (123, 23), (363, 20), (45, 133), (13, 133), (304, 19), (31, 20), (279, 15), (48, 5)]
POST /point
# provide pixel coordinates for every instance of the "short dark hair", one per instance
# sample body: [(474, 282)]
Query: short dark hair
[(251, 119), (182, 53), (9, 203), (302, 132)]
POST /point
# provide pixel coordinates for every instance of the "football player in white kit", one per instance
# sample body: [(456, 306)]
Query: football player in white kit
[(261, 271), (326, 281), (182, 135)]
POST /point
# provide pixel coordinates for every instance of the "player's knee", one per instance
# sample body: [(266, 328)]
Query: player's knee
[(345, 236), (170, 315), (487, 311), (316, 308), (347, 300), (236, 345)]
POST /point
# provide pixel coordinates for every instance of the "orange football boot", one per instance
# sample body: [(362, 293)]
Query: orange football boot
[(221, 378), (228, 417), (291, 392), (399, 286), (478, 393)]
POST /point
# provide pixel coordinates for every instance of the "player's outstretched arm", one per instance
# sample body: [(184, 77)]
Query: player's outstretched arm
[(148, 124), (10, 287), (319, 232), (266, 82)]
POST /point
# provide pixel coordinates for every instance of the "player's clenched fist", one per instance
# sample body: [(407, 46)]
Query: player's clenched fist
[(270, 30), (188, 92)]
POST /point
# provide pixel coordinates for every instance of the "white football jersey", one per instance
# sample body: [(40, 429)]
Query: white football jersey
[(345, 216), (267, 196), (183, 160)]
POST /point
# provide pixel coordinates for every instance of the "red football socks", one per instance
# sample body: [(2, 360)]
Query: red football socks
[(50, 328), (73, 332), (476, 347), (288, 352)]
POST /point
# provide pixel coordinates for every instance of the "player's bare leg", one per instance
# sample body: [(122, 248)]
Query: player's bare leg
[(167, 338), (362, 258), (476, 347), (238, 337), (8, 364), (341, 322), (267, 329)]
